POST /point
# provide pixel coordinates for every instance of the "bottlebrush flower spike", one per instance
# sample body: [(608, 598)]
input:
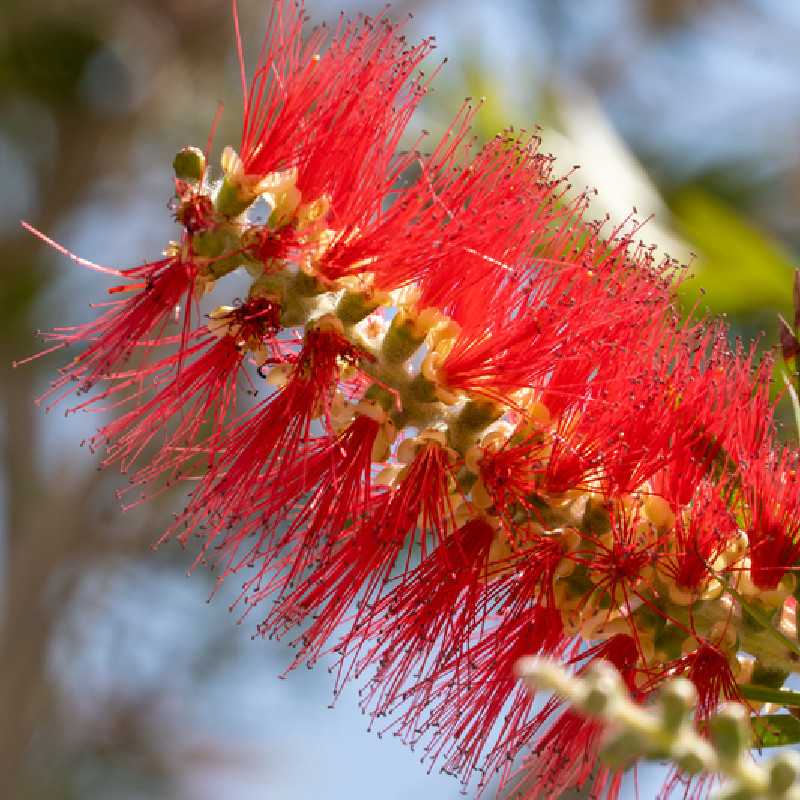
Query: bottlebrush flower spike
[(160, 291), (204, 392), (271, 435), (333, 474), (365, 553), (485, 433)]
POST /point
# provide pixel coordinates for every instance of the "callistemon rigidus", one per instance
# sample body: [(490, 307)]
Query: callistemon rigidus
[(485, 431)]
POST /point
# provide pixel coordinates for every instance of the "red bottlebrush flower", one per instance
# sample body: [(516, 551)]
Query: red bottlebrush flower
[(772, 490), (510, 474), (472, 716), (701, 535), (377, 242), (549, 315), (428, 616), (619, 565), (709, 669), (333, 477), (273, 433), (416, 513), (203, 392), (333, 112), (470, 697), (162, 291)]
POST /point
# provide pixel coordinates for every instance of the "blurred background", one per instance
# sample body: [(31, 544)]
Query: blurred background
[(116, 679)]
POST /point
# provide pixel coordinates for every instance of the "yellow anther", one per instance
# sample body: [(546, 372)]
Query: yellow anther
[(405, 297), (743, 580), (358, 284), (373, 328), (736, 548), (284, 205), (231, 162), (426, 319), (601, 627), (442, 336), (420, 320), (430, 366), (713, 590), (436, 435), (496, 435)]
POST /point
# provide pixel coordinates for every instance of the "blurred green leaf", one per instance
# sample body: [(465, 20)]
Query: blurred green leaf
[(775, 730), (768, 694), (739, 268), (482, 86)]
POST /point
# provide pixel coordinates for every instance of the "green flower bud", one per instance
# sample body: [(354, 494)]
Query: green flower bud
[(622, 748), (784, 770), (189, 164), (689, 757), (676, 700), (730, 731)]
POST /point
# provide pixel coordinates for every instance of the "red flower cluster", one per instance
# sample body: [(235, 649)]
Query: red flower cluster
[(488, 433)]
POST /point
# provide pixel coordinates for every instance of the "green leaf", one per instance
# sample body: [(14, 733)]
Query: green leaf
[(739, 269), (775, 730), (764, 694)]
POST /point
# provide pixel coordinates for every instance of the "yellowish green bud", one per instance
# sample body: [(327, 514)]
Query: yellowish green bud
[(189, 164)]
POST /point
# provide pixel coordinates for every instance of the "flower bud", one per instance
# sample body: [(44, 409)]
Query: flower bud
[(730, 732), (676, 700), (784, 771), (189, 164), (621, 748)]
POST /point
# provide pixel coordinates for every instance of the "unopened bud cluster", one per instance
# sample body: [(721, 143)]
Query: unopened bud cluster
[(663, 731)]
